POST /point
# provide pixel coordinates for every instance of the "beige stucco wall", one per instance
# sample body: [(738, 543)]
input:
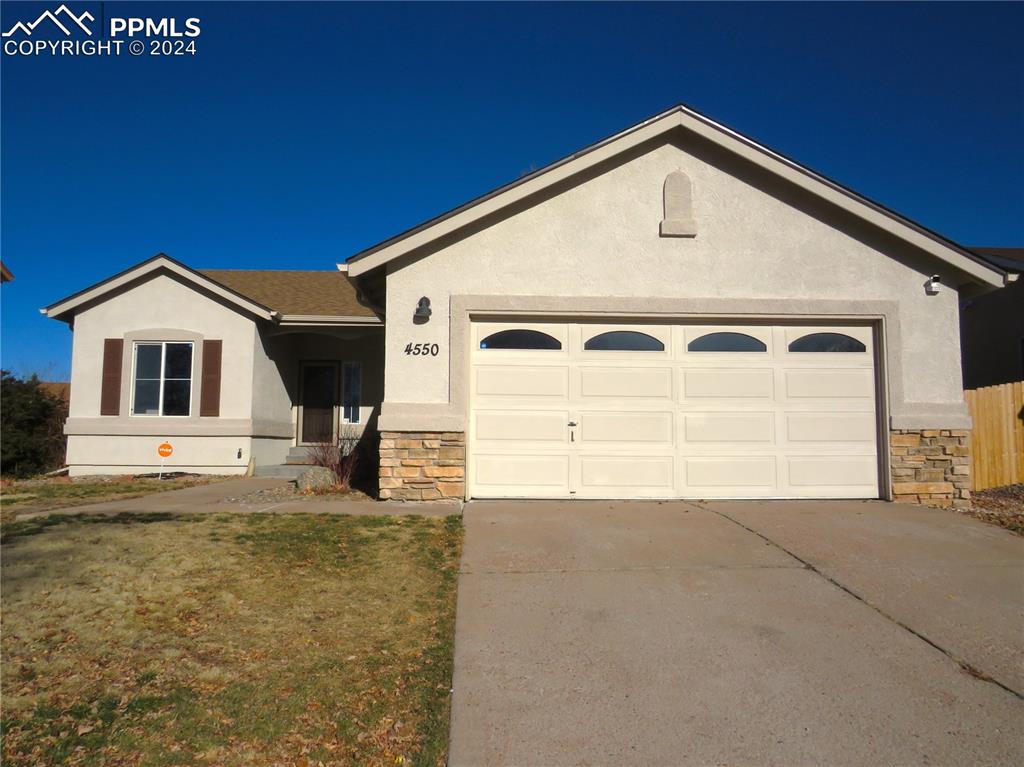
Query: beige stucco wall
[(158, 304), (160, 307), (99, 454), (757, 243)]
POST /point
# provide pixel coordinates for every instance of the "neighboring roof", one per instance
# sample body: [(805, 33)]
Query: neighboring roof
[(59, 389), (5, 273), (675, 118), (1011, 259), (290, 293)]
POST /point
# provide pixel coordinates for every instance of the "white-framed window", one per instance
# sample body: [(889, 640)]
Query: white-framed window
[(351, 391), (162, 378)]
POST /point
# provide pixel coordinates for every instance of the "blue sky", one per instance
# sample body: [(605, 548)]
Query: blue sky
[(301, 133)]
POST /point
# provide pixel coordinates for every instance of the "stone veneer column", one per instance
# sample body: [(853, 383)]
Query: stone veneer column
[(931, 466), (422, 465)]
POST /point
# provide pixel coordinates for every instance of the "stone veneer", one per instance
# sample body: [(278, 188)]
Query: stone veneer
[(422, 465), (931, 466)]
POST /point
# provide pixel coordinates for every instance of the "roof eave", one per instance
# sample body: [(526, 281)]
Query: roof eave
[(316, 320), (66, 306)]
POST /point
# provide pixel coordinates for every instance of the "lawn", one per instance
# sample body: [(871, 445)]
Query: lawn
[(32, 495), (228, 639)]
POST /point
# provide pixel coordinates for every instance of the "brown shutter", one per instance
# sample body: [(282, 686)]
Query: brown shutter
[(110, 393), (209, 392)]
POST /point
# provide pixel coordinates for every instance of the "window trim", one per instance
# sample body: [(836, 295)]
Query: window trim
[(347, 365), (163, 378)]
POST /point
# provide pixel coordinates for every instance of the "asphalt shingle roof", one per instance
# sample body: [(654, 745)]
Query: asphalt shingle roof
[(320, 293)]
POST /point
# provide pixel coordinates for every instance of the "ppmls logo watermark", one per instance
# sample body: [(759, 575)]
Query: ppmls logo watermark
[(62, 32)]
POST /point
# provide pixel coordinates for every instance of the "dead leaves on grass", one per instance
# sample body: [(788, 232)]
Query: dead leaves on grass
[(283, 641)]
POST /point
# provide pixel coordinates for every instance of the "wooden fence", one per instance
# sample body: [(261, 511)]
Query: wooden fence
[(997, 441)]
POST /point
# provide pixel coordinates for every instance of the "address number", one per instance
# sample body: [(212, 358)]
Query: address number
[(422, 350)]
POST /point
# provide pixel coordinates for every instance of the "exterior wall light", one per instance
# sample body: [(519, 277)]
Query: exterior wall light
[(422, 313), (933, 285)]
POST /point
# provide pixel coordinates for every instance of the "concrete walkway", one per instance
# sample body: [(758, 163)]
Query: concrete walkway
[(222, 497), (741, 633)]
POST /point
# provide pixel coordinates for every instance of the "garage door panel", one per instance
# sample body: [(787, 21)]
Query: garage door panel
[(731, 471), (830, 427), (626, 427), (827, 384), (626, 382), (522, 381), (725, 419), (518, 425), (653, 473), (833, 471), (725, 383), (511, 474), (728, 427)]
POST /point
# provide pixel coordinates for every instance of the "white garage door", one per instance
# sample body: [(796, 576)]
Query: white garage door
[(586, 410)]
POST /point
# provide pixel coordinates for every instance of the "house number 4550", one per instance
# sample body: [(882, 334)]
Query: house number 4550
[(422, 350)]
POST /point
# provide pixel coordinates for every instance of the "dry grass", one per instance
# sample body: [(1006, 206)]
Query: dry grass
[(31, 495), (228, 640)]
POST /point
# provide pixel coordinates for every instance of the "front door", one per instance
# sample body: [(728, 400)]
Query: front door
[(318, 403)]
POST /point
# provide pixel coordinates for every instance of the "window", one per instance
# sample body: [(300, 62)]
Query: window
[(623, 341), (351, 391), (520, 339), (726, 342), (163, 379), (827, 342)]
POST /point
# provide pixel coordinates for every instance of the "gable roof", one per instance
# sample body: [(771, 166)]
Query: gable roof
[(325, 293), (678, 117), (64, 308), (279, 296)]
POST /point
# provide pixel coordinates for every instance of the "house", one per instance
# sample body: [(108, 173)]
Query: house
[(992, 326), (674, 311), (231, 367)]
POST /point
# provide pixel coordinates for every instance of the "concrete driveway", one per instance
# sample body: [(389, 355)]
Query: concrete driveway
[(788, 633)]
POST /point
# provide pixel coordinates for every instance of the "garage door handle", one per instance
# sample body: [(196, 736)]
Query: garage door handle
[(573, 423)]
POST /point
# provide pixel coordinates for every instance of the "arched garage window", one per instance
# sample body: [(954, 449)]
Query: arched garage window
[(623, 341), (726, 342), (827, 342), (520, 339)]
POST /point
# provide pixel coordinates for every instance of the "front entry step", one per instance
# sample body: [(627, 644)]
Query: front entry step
[(284, 471), (299, 455)]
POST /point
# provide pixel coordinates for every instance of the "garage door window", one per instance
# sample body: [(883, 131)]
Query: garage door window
[(623, 341), (827, 342), (726, 342), (520, 339)]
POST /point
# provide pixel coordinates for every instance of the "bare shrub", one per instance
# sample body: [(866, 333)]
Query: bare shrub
[(342, 458)]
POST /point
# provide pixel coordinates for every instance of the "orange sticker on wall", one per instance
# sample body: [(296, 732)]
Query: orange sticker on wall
[(165, 450)]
